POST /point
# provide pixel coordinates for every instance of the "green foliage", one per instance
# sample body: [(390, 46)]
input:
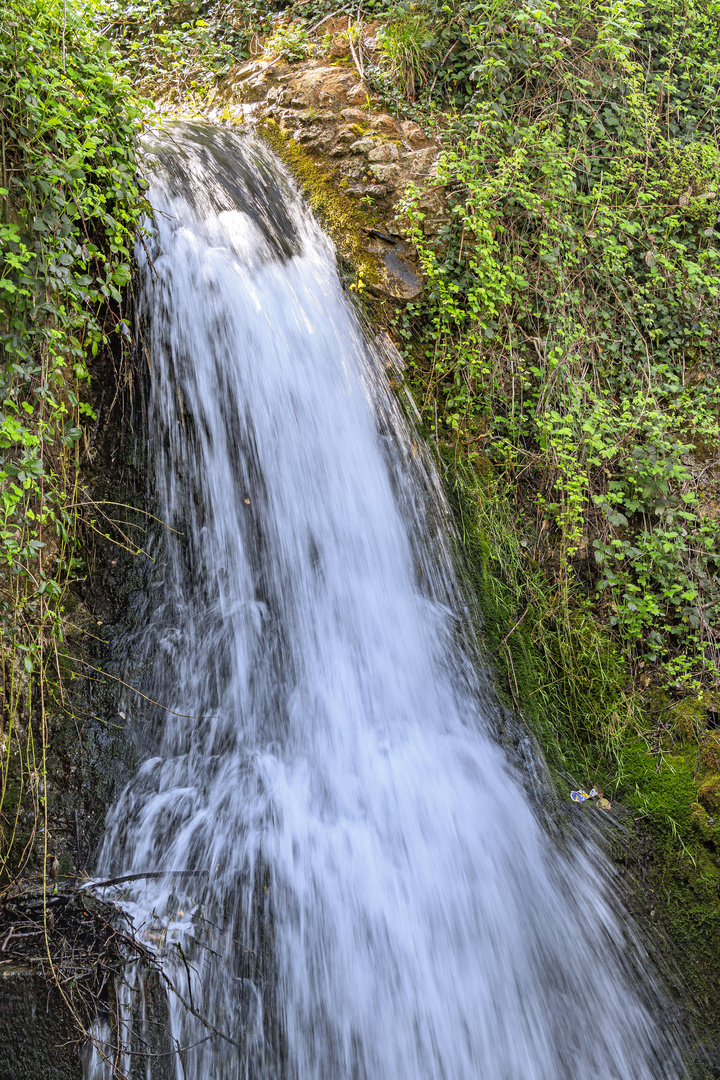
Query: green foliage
[(408, 42), (556, 664), (71, 204), (290, 41), (178, 49), (573, 300), (171, 48)]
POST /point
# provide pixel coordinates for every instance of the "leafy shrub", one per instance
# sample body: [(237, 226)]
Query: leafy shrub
[(71, 202), (407, 39), (573, 299), (291, 42)]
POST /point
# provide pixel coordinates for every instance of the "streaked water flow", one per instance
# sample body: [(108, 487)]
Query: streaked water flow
[(375, 898)]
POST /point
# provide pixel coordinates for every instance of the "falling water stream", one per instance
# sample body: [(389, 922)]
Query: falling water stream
[(366, 892)]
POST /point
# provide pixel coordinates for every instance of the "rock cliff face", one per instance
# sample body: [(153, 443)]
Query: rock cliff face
[(327, 111), (39, 1038)]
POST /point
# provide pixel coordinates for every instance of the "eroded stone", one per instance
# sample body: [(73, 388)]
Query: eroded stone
[(386, 173), (384, 152), (384, 123)]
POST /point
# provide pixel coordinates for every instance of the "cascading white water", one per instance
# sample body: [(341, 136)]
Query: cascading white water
[(372, 896)]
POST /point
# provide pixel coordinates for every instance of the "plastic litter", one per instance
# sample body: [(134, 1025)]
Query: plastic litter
[(583, 796)]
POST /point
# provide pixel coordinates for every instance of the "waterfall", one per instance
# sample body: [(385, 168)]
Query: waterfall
[(350, 881)]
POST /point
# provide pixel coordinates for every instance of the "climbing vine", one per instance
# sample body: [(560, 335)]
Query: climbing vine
[(70, 205), (574, 301)]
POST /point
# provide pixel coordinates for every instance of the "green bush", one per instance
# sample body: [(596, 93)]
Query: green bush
[(70, 202), (573, 301)]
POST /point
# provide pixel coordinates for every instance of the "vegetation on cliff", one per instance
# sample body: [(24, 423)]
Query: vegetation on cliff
[(70, 206), (564, 359), (564, 356), (566, 362)]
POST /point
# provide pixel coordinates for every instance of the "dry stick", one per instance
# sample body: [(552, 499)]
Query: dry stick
[(437, 440), (184, 716), (152, 874), (332, 15), (167, 1053), (512, 631), (179, 948), (152, 264), (63, 33), (203, 1020), (361, 73), (137, 550)]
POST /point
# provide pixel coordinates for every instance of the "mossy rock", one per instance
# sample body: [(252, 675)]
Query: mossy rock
[(710, 752), (709, 796), (688, 716)]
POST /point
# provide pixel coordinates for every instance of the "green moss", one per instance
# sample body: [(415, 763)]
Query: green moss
[(563, 671), (337, 211), (554, 663), (662, 789), (709, 795)]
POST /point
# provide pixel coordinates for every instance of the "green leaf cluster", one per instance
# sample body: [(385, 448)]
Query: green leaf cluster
[(174, 51), (573, 299), (70, 206)]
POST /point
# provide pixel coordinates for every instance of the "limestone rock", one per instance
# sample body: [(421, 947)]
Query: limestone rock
[(358, 95), (323, 107), (334, 25), (362, 146), (384, 123), (339, 47), (413, 134), (307, 135), (354, 116), (346, 135), (384, 152), (374, 191), (386, 173), (418, 162)]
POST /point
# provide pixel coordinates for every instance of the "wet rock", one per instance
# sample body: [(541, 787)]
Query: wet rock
[(398, 279), (39, 1037)]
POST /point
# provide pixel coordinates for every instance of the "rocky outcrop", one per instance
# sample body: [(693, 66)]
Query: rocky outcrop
[(328, 110), (39, 1039)]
